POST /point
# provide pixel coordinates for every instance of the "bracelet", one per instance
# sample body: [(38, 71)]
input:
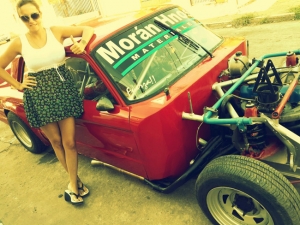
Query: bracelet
[(83, 41)]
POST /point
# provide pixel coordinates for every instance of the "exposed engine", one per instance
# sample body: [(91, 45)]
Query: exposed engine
[(273, 93)]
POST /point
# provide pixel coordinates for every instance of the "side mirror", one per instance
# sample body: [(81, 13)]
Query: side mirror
[(104, 104)]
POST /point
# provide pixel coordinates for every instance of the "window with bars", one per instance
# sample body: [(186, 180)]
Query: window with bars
[(68, 8)]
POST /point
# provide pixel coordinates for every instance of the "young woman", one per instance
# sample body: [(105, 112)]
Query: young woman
[(51, 100)]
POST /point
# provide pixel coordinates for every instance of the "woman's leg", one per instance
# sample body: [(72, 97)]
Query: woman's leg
[(62, 138), (52, 132), (67, 131)]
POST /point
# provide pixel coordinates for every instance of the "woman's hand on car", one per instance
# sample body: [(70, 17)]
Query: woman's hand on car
[(77, 47)]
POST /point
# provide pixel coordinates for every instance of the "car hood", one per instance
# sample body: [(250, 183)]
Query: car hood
[(158, 125)]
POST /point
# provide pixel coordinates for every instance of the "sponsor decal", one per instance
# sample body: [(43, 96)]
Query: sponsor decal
[(127, 50)]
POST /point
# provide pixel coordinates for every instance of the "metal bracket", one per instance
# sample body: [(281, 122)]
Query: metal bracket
[(290, 139), (212, 110)]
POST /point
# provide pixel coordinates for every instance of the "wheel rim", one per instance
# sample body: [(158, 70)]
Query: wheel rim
[(21, 134), (231, 206)]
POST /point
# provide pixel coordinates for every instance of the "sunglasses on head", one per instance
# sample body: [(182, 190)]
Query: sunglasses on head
[(33, 16)]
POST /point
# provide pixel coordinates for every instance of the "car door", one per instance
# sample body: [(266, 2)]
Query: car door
[(103, 135)]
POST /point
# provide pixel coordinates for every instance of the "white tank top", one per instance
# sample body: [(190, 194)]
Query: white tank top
[(50, 55)]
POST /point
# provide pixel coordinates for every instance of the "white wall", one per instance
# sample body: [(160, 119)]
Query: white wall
[(115, 7), (8, 17), (183, 3)]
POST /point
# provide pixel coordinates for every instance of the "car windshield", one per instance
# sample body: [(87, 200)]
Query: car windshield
[(148, 57)]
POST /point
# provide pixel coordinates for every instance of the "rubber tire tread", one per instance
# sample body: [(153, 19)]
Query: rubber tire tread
[(37, 145), (256, 174)]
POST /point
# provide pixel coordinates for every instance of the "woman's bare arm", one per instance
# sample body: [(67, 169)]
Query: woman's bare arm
[(84, 32), (13, 50)]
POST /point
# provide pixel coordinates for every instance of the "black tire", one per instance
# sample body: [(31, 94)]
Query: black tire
[(232, 185), (25, 135)]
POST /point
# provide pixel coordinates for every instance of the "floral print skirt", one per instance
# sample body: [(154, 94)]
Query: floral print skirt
[(53, 99)]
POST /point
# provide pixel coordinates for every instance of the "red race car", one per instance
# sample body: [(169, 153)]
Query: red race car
[(166, 99)]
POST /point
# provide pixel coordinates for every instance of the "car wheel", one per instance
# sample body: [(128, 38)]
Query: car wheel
[(24, 134), (238, 190)]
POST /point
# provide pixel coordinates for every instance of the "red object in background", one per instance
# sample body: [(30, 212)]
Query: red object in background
[(291, 59)]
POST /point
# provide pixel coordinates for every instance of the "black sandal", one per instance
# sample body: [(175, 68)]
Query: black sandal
[(85, 193), (68, 197)]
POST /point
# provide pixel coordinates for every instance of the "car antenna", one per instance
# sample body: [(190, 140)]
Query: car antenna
[(190, 102)]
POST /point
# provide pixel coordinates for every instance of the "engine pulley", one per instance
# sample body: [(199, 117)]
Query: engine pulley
[(238, 65)]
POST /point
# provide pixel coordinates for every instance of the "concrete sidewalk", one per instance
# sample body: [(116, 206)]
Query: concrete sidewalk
[(254, 13), (208, 10), (219, 15)]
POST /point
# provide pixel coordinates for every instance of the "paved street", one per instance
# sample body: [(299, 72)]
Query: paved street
[(32, 188)]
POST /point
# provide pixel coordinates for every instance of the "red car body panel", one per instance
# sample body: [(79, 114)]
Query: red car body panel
[(149, 138), (164, 139)]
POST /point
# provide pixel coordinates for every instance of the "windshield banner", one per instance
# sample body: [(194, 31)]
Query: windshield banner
[(128, 49)]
